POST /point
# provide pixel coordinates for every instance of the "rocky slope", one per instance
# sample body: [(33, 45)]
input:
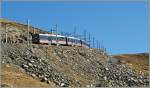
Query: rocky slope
[(13, 76), (59, 65), (70, 66), (138, 62)]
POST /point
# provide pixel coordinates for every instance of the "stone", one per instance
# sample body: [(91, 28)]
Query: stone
[(44, 79), (25, 66), (4, 85), (32, 61), (62, 84), (49, 82), (88, 60), (3, 62), (35, 65), (33, 75), (107, 69), (86, 63), (30, 64), (105, 78), (87, 85), (7, 65), (40, 60)]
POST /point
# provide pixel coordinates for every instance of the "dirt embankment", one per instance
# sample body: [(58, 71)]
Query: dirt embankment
[(13, 76), (62, 66), (70, 66), (138, 62)]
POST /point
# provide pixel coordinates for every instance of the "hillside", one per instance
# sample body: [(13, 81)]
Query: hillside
[(69, 61), (14, 76), (70, 66), (37, 65), (139, 62)]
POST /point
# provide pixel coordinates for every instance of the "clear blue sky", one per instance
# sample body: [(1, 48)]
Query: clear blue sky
[(122, 27)]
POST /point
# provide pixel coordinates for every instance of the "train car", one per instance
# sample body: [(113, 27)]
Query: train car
[(48, 39), (58, 39), (40, 39), (74, 41)]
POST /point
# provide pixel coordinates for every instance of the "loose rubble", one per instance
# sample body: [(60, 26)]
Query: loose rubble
[(60, 64)]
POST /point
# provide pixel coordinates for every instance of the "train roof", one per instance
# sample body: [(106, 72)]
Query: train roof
[(51, 35), (74, 38), (77, 39), (61, 36)]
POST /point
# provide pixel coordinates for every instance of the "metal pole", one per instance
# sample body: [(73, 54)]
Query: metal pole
[(56, 36), (46, 53), (33, 31), (52, 30), (28, 31), (97, 44), (6, 32), (102, 48), (105, 50), (89, 39), (93, 43), (74, 31), (85, 35)]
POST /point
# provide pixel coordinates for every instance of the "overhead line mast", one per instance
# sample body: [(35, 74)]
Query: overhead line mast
[(93, 42), (56, 35), (74, 33), (28, 23), (6, 33), (85, 35), (89, 39)]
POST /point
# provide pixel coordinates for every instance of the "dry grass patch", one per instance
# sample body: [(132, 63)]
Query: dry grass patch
[(13, 76)]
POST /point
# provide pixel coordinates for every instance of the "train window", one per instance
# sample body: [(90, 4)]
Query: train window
[(50, 38), (72, 40), (61, 38), (43, 37), (75, 40), (78, 41), (84, 43), (69, 39), (35, 36), (64, 39), (53, 38)]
